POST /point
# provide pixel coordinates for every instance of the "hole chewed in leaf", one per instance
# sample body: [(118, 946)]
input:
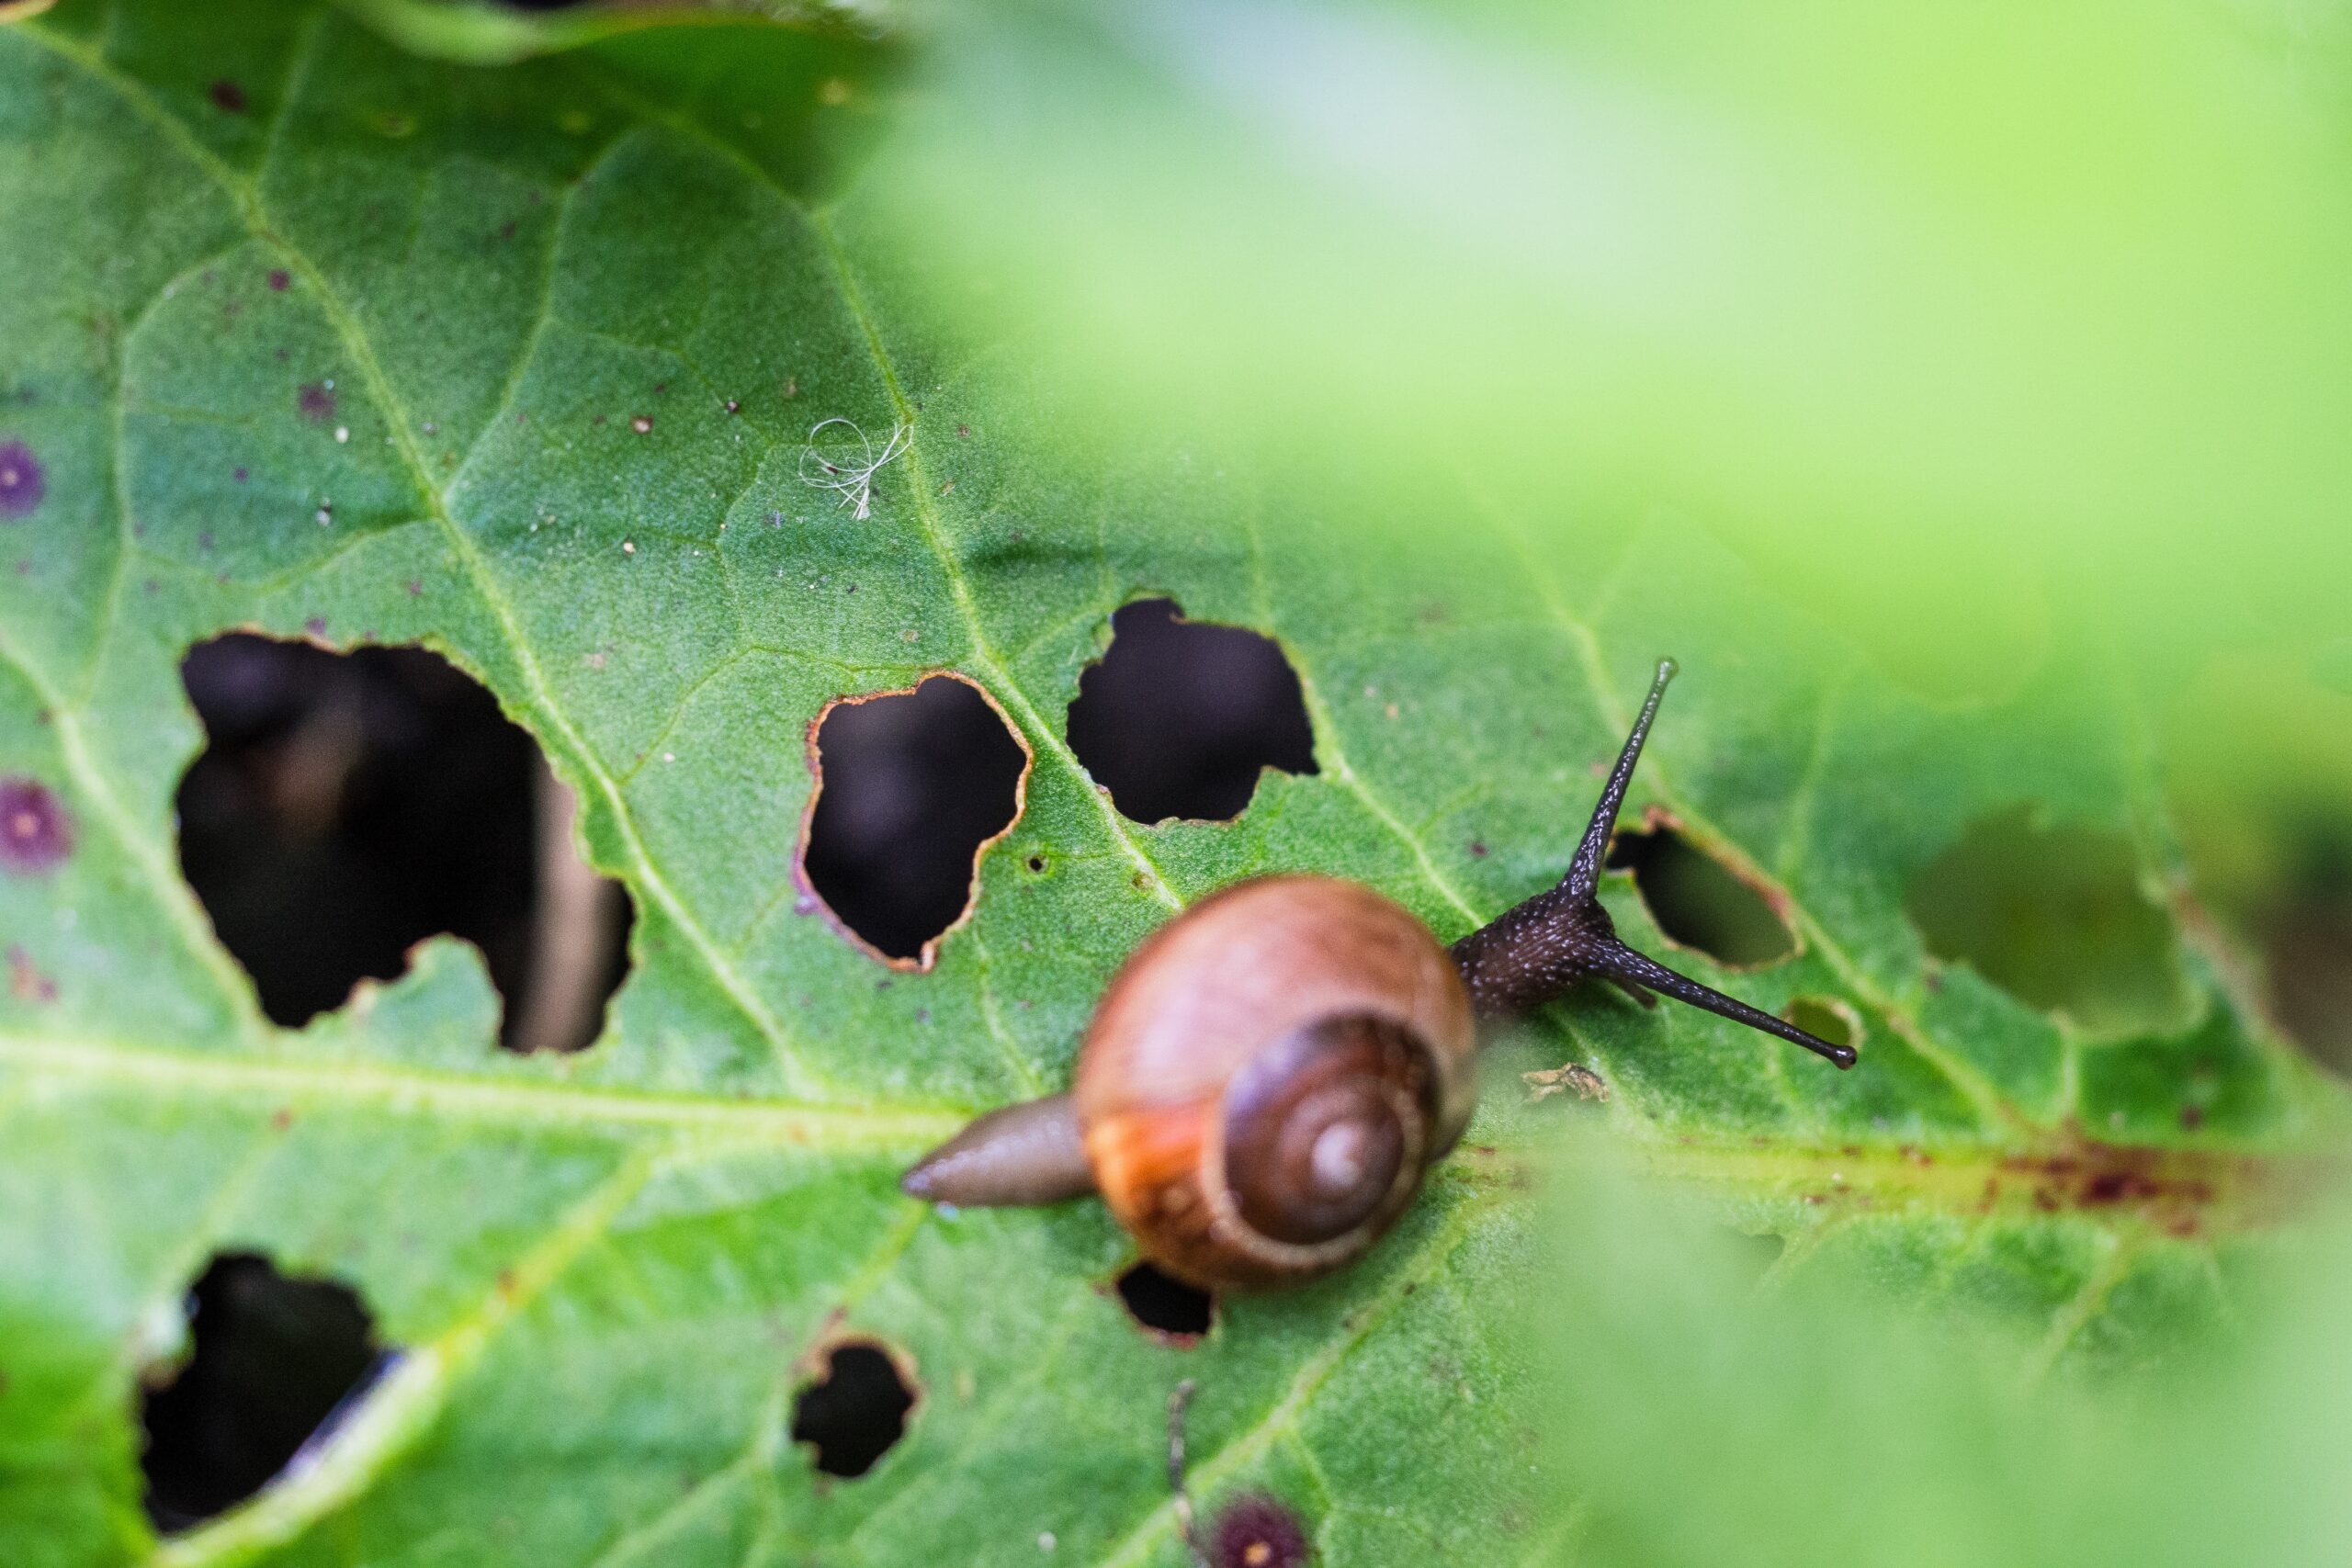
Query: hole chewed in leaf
[(1179, 717), (1173, 1312), (2056, 916), (350, 805), (856, 1410), (275, 1363), (1828, 1018), (1752, 1254), (1699, 902), (2307, 931), (913, 787)]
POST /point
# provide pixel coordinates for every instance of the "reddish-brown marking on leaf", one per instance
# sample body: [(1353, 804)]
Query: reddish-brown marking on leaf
[(227, 96), (2170, 1189), (280, 281), (25, 982), (316, 399)]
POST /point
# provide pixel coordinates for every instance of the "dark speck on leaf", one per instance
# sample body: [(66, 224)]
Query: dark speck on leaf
[(1256, 1532), (25, 982), (316, 626), (1477, 850), (241, 475), (506, 230), (963, 433), (734, 407), (280, 281), (34, 834), (22, 483), (2191, 1117), (316, 400), (227, 96)]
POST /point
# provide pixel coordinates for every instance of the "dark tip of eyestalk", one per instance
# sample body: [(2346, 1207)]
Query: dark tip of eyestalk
[(1843, 1055)]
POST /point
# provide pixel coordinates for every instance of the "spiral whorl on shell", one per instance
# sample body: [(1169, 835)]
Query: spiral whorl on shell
[(1269, 1075)]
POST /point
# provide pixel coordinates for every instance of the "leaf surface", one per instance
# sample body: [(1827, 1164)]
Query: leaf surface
[(520, 364)]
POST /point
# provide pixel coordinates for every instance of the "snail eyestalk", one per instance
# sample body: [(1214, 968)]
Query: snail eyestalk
[(1621, 964), (1584, 872), (1535, 952)]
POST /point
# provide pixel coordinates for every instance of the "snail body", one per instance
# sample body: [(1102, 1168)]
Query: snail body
[(1269, 1077), (1266, 1079)]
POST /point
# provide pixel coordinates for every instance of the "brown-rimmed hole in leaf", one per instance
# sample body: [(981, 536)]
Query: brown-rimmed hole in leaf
[(1699, 902), (1179, 717), (2307, 939), (277, 1363), (1256, 1531), (2056, 916), (350, 804), (913, 787), (854, 1411), (1752, 1254), (1177, 1313), (1826, 1018)]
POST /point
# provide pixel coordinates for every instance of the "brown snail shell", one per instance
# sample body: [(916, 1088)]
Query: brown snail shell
[(1269, 1075)]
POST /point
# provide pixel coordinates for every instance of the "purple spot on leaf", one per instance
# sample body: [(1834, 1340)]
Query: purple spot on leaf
[(316, 400), (34, 833), (1256, 1532), (21, 483), (280, 281), (227, 96)]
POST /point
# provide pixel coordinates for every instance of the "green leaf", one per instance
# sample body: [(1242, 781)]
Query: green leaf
[(610, 1273)]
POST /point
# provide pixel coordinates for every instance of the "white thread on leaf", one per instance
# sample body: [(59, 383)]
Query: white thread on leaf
[(850, 478)]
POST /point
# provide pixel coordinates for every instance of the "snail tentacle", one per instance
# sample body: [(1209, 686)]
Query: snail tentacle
[(1534, 951)]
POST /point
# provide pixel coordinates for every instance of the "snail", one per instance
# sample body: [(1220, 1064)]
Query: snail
[(1269, 1075)]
